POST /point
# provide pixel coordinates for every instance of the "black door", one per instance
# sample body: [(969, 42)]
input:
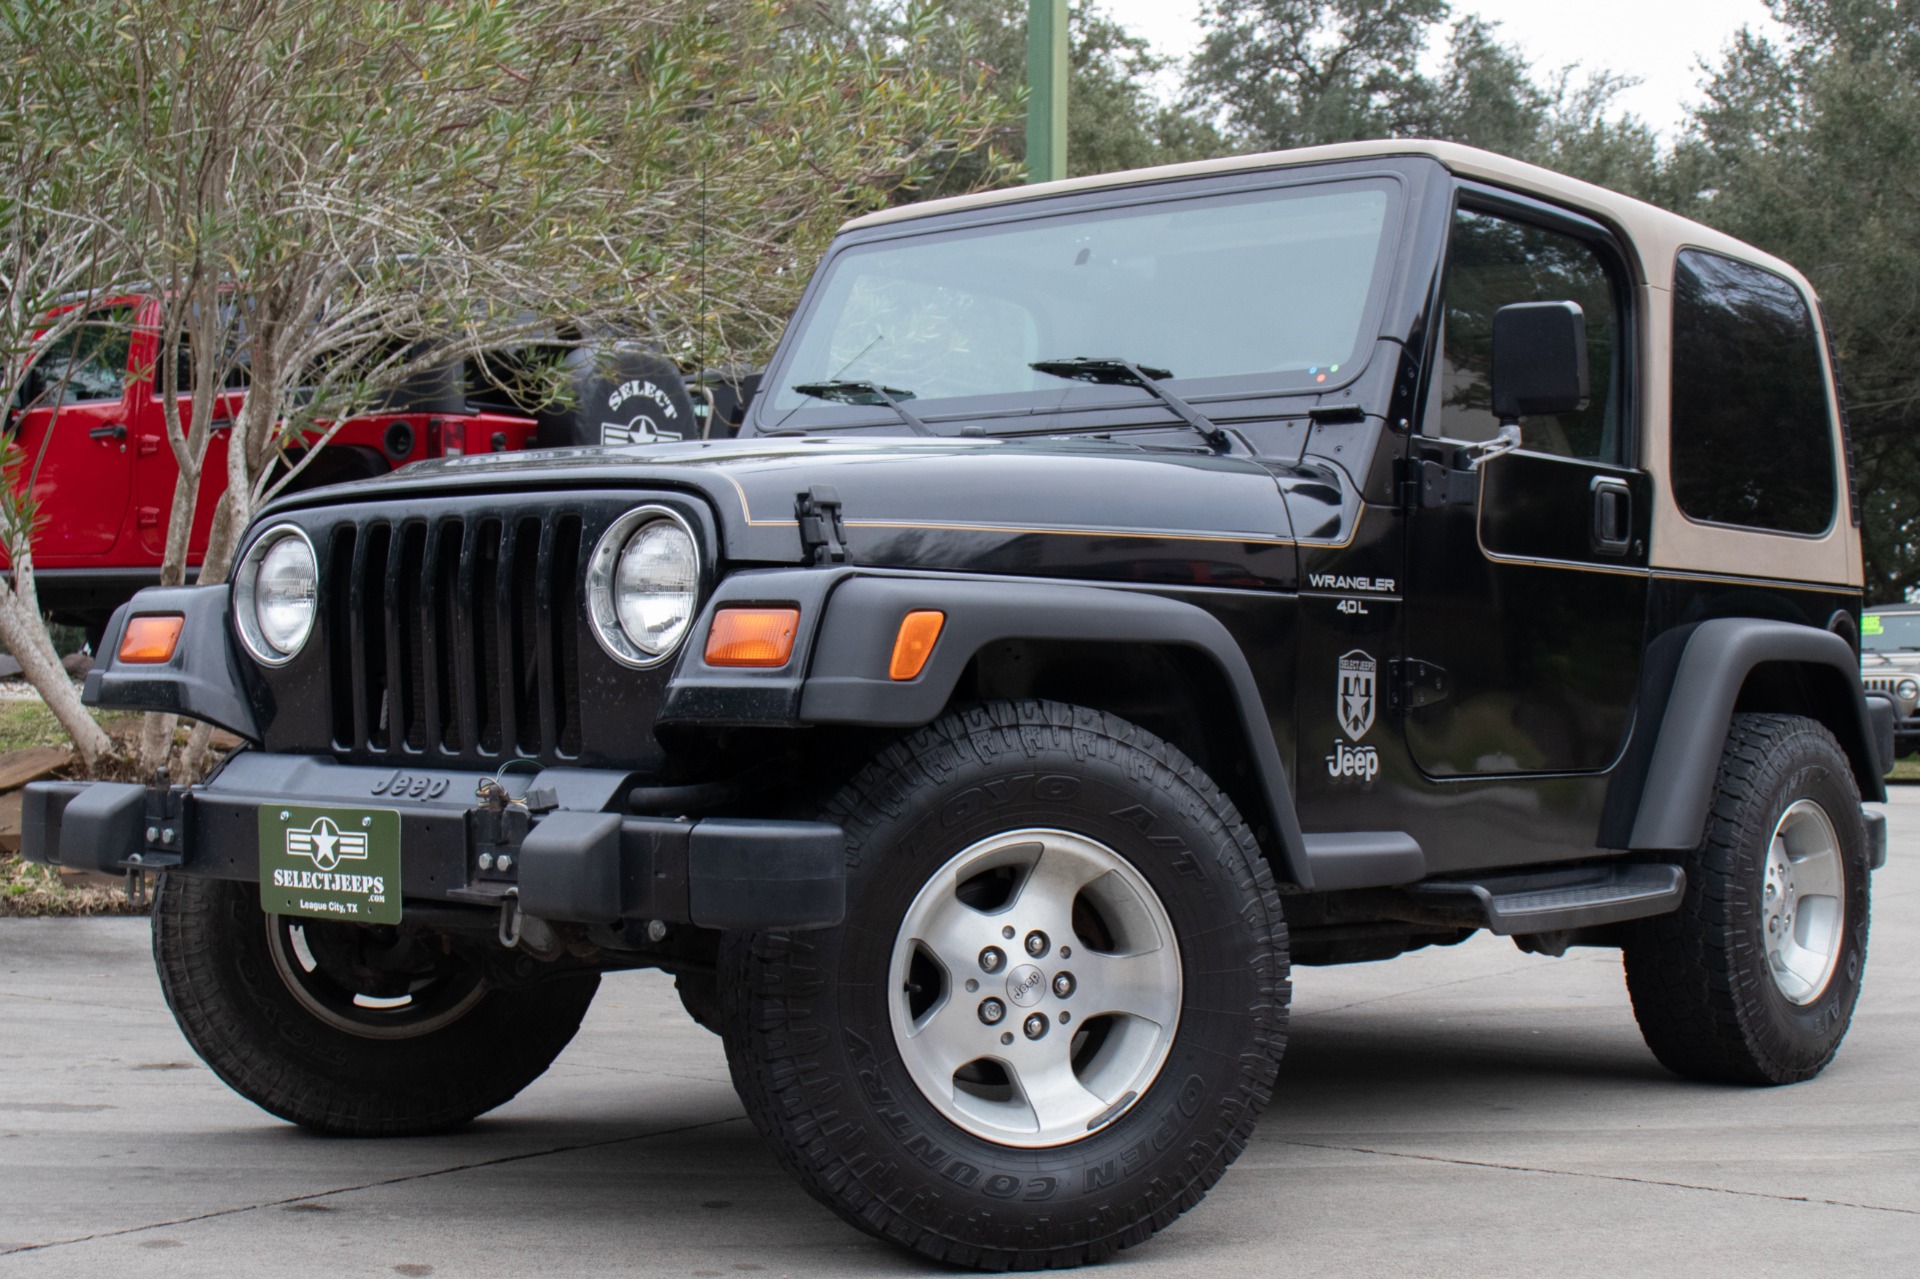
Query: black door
[(1527, 569)]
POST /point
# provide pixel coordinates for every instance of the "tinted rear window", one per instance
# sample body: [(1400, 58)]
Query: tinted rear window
[(1752, 438)]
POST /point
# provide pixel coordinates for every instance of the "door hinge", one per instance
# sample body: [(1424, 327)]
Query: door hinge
[(1426, 483), (823, 534), (1417, 683)]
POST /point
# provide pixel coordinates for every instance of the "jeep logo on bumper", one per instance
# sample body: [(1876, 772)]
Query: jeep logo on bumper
[(411, 786)]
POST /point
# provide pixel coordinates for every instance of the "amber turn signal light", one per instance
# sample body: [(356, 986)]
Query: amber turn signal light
[(914, 644), (752, 636), (151, 639)]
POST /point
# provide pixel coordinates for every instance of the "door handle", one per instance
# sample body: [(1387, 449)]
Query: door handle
[(1612, 517), (112, 431)]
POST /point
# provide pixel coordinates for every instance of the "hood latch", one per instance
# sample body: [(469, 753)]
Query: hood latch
[(823, 534)]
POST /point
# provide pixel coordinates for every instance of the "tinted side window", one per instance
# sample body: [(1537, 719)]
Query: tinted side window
[(1494, 261), (1752, 441), (88, 364)]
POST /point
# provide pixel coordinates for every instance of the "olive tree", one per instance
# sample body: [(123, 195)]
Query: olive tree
[(55, 254), (330, 194)]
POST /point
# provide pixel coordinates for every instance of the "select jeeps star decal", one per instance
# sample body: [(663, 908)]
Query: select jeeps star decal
[(643, 428), (1356, 693), (326, 845)]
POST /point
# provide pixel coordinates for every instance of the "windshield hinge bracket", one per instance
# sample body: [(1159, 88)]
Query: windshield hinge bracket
[(1426, 483), (823, 533)]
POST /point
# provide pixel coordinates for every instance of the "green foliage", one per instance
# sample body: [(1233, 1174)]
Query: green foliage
[(1114, 120), (1805, 147), (1292, 73)]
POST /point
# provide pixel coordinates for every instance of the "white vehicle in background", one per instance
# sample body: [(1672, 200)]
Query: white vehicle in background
[(1890, 664)]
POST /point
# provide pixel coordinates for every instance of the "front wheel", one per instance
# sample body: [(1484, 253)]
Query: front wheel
[(349, 1029), (1056, 1007)]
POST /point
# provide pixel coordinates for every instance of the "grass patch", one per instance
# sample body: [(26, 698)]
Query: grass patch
[(1906, 770), (26, 721), (30, 890)]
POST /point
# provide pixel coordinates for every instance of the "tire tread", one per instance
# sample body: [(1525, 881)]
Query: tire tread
[(768, 1041)]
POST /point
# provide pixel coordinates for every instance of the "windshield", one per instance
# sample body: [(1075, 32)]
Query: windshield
[(1890, 632), (1250, 292)]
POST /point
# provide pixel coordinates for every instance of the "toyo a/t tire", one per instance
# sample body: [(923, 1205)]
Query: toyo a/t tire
[(1056, 1006), (1753, 980), (348, 1029)]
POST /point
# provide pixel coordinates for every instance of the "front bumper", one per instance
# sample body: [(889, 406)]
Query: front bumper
[(570, 856)]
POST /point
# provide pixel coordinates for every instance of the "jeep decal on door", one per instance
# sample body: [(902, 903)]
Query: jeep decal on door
[(1356, 686)]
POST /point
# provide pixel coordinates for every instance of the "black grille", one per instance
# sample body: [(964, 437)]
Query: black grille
[(456, 636)]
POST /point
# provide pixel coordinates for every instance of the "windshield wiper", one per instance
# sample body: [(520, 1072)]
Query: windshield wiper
[(871, 393), (1113, 372)]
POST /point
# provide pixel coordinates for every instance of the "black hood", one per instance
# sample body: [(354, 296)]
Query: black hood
[(1082, 508)]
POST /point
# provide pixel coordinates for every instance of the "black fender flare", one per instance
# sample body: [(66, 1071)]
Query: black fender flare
[(848, 681), (1674, 785), (203, 678)]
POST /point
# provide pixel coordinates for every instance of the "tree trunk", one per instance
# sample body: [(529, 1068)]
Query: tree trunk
[(156, 731), (26, 638), (193, 761), (156, 740), (217, 563)]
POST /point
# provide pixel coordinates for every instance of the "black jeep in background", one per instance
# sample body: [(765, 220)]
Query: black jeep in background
[(1120, 591)]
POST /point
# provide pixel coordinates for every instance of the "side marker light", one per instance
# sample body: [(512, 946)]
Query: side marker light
[(914, 644)]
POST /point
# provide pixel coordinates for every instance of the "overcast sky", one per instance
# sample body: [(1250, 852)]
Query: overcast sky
[(1659, 41)]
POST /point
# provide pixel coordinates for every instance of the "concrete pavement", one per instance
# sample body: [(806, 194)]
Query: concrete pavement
[(1464, 1111)]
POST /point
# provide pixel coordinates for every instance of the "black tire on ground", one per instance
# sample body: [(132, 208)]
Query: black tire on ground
[(1704, 991), (477, 1048), (808, 1018)]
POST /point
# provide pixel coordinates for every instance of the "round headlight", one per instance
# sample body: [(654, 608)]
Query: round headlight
[(643, 585), (1907, 690), (276, 595)]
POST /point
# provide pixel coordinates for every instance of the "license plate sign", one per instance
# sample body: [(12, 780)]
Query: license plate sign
[(331, 863)]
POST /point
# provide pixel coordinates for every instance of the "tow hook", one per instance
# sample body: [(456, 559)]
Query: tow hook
[(503, 821), (530, 933)]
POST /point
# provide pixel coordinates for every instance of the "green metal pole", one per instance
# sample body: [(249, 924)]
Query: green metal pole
[(1046, 90)]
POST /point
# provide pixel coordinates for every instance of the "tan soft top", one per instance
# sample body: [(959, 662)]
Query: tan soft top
[(1654, 234)]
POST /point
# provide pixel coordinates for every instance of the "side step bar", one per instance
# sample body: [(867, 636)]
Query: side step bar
[(1549, 901)]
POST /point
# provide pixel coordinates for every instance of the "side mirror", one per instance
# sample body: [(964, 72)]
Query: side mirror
[(1539, 360)]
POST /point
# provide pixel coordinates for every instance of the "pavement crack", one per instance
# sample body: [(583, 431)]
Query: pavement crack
[(68, 1002), (370, 1185), (1295, 1015), (1607, 1176)]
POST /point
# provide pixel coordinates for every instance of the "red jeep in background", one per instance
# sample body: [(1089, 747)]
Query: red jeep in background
[(104, 475)]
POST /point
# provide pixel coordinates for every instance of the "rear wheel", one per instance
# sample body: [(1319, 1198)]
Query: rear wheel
[(350, 1029), (1055, 1009), (1754, 979)]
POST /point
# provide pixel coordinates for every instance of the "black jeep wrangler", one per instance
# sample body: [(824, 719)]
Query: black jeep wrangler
[(1120, 591)]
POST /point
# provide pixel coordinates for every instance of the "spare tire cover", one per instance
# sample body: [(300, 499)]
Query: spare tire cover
[(620, 396)]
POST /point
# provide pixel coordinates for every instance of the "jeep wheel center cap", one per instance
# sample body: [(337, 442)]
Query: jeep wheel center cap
[(1026, 985)]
